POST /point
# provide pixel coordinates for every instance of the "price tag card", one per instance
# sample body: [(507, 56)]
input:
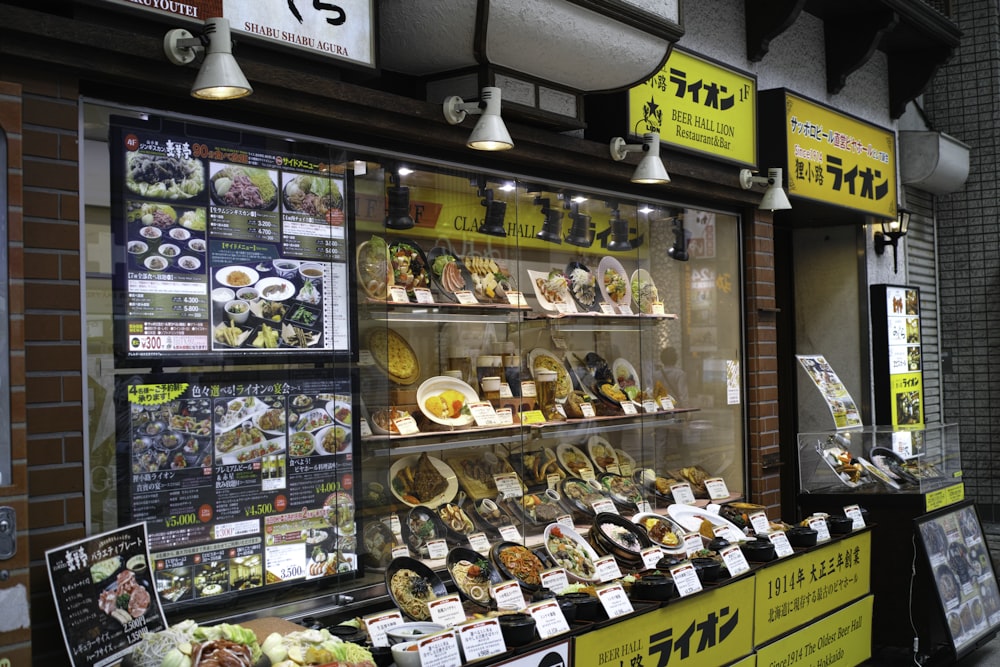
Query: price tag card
[(604, 505), (626, 469), (624, 309), (505, 391), (552, 482), (566, 520), (643, 507), (483, 413), (549, 619), (447, 610), (667, 403), (532, 417), (397, 294), (287, 562), (565, 308), (760, 524), (614, 600), (423, 295), (393, 522), (465, 297), (613, 469), (693, 544), (782, 547), (481, 639), (437, 549), (561, 410), (366, 430), (682, 493), (400, 552), (508, 484), (717, 489), (508, 595), (607, 569), (365, 358), (554, 579), (818, 524), (528, 389), (685, 579), (588, 410), (854, 512), (628, 407), (734, 559), (406, 425), (378, 624), (650, 557), (510, 533), (439, 650), (516, 299), (728, 533), (479, 542), (656, 308), (505, 417), (608, 309), (649, 406), (587, 473)]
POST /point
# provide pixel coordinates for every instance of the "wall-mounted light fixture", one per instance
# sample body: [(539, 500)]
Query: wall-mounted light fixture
[(220, 76), (398, 216), (493, 220), (650, 169), (892, 231), (774, 198), (490, 133)]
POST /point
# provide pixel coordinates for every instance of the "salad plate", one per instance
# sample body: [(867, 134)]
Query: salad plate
[(613, 281), (552, 291)]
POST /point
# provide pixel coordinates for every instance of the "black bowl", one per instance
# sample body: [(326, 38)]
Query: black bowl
[(348, 633), (669, 561), (588, 608), (639, 540), (432, 528), (839, 525), (435, 584), (653, 587), (801, 536), (758, 551), (718, 544), (708, 569), (517, 629), (382, 655), (568, 608)]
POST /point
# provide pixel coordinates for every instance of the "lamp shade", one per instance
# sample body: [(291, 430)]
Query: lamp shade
[(774, 198), (490, 134), (650, 169), (220, 76)]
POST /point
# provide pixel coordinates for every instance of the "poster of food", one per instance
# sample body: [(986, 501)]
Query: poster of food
[(843, 409), (962, 573), (226, 247), (242, 482), (104, 594)]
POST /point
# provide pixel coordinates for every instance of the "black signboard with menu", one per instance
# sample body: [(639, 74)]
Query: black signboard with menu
[(245, 484), (228, 245)]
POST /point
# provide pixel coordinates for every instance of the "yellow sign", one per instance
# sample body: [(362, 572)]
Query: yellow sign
[(749, 661), (797, 590), (705, 630), (842, 639), (155, 394), (700, 106), (907, 393), (839, 160), (950, 495)]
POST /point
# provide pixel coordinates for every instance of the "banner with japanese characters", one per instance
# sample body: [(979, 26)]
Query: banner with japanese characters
[(104, 594), (837, 159), (243, 483), (898, 359), (842, 639), (698, 105), (843, 409)]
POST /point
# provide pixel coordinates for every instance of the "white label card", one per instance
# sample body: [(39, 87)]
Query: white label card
[(613, 469), (760, 524), (685, 579), (505, 417), (481, 639), (406, 425), (447, 610), (614, 600), (505, 391), (549, 619), (604, 505), (366, 430), (818, 524), (728, 533), (734, 559), (667, 403), (437, 549), (394, 524), (397, 294), (566, 520), (607, 569), (465, 297), (782, 547), (588, 410), (479, 542), (439, 650), (510, 533), (682, 493), (565, 308), (400, 552), (854, 512), (657, 308), (650, 557), (643, 507), (717, 489), (649, 406), (624, 309), (528, 389), (508, 595), (508, 484), (693, 544), (628, 407), (587, 473), (608, 309), (378, 624), (554, 579), (552, 481), (516, 299), (423, 295), (484, 413)]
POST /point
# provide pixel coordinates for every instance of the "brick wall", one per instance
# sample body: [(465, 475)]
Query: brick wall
[(46, 259)]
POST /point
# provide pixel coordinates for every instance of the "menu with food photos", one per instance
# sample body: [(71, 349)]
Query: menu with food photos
[(243, 483), (228, 244)]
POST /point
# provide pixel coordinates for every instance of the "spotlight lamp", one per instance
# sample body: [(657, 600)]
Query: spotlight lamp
[(774, 198), (398, 216), (581, 232), (493, 221), (489, 133), (650, 169), (552, 227), (616, 237), (892, 231), (220, 76), (679, 250)]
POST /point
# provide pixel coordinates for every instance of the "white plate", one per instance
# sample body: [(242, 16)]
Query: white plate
[(598, 446), (445, 497), (628, 370), (222, 275), (560, 369), (308, 437), (337, 404), (639, 278), (612, 264), (303, 422), (581, 544), (284, 289), (565, 452), (690, 517), (254, 452), (566, 302), (238, 413), (676, 528), (345, 446), (282, 427), (439, 383), (624, 458)]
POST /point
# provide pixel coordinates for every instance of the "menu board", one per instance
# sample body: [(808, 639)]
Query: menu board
[(243, 484), (228, 244), (963, 574), (103, 594)]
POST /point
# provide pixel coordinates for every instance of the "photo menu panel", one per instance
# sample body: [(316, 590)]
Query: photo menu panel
[(228, 245)]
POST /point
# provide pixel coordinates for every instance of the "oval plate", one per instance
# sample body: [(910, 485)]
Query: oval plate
[(275, 289), (489, 575), (445, 471), (417, 271), (579, 290), (436, 385), (624, 296), (434, 583), (463, 273)]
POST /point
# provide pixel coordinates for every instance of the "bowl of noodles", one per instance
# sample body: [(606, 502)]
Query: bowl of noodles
[(515, 561), (411, 585), (473, 574)]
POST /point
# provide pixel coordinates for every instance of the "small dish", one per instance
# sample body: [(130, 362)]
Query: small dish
[(709, 569), (518, 628), (237, 276), (515, 561), (156, 263), (238, 310), (406, 654), (656, 587), (410, 630)]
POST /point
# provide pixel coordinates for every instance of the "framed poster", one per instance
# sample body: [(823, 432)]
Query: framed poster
[(962, 571), (897, 363)]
